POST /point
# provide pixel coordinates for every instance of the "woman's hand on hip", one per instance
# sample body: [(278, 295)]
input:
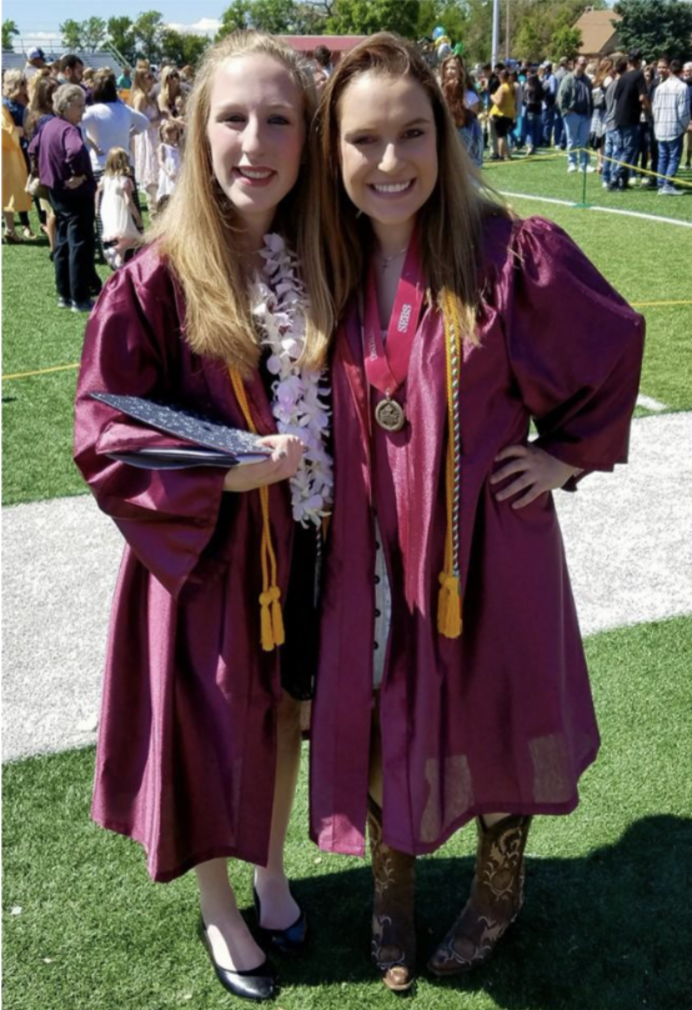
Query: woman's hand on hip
[(287, 452), (536, 472)]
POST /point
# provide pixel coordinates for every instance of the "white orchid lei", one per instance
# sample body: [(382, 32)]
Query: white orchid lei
[(279, 303)]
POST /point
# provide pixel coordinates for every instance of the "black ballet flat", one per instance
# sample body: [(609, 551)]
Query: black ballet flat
[(291, 941), (257, 984)]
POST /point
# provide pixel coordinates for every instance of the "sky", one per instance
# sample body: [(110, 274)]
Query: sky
[(39, 19)]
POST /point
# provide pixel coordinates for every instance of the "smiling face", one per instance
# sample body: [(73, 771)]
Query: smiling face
[(256, 134), (388, 151)]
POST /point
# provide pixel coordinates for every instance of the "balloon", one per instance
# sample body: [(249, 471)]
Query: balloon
[(458, 49), (444, 50), (438, 32)]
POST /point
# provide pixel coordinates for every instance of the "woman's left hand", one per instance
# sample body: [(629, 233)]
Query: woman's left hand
[(536, 471)]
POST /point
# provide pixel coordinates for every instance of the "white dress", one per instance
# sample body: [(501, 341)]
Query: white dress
[(116, 219), (146, 145), (171, 161)]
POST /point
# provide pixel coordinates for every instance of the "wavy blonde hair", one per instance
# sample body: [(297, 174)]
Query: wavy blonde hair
[(449, 224), (139, 96), (197, 234)]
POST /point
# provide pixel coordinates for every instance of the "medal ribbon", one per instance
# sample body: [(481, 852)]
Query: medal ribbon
[(386, 368)]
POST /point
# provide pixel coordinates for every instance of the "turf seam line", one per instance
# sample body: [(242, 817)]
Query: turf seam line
[(605, 210)]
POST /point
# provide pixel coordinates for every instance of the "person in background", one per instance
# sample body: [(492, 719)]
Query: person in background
[(121, 222), (124, 81), (671, 118), (576, 106), (169, 92), (603, 77), (492, 87), (630, 100), (15, 98), (559, 137), (324, 58), (65, 168), (534, 98), (39, 113), (169, 158), (517, 81), (108, 122), (35, 60), (610, 133), (72, 70), (687, 144), (14, 176), (147, 142), (503, 113), (465, 119), (647, 157)]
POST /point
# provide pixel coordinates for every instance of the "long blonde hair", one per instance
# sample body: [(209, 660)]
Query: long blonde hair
[(139, 96), (449, 224), (197, 234), (166, 99)]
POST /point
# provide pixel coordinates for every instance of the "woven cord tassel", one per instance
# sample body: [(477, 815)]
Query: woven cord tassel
[(449, 621), (271, 616)]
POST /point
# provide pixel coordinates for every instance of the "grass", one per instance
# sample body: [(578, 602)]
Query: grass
[(645, 260), (606, 923)]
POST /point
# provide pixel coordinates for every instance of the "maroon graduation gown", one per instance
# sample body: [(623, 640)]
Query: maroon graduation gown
[(187, 743), (500, 719)]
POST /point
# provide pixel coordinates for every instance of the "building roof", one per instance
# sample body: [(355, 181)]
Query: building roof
[(597, 32)]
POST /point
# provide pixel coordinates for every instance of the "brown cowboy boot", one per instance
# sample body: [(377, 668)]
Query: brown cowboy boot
[(393, 931), (497, 895)]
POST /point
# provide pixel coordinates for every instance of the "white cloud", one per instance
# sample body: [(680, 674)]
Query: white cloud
[(205, 26)]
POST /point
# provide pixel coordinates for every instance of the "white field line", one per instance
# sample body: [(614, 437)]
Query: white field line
[(605, 210), (650, 403)]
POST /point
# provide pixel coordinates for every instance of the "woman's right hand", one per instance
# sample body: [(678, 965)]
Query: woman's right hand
[(281, 465)]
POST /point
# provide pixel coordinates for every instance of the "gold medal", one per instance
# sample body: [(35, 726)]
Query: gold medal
[(390, 415)]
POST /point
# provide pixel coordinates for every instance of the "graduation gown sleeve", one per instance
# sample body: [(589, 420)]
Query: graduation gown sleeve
[(133, 345), (575, 349)]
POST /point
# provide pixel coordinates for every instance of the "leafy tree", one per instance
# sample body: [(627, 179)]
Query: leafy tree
[(94, 32), (9, 28), (452, 15), (363, 17), (148, 30), (565, 42), (234, 18), (183, 48), (122, 36), (529, 42), (655, 27), (71, 32), (274, 16)]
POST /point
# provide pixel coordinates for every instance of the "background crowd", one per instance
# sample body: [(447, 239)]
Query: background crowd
[(87, 146)]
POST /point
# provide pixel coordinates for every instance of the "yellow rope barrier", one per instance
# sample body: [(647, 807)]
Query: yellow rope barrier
[(40, 371)]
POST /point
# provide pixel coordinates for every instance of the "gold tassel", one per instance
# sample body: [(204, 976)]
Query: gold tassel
[(271, 617), (449, 621)]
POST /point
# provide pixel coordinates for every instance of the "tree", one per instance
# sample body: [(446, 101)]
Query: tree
[(183, 48), (234, 18), (565, 42), (655, 27), (120, 33), (529, 42), (452, 15), (363, 17), (9, 28), (94, 31), (148, 30), (71, 32)]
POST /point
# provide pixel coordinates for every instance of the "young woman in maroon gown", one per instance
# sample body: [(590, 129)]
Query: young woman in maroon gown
[(452, 682), (200, 739)]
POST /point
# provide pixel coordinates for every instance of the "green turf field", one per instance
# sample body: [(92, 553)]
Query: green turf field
[(606, 924), (648, 261)]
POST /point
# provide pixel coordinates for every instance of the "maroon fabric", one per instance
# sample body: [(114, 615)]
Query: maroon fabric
[(187, 749), (502, 718)]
